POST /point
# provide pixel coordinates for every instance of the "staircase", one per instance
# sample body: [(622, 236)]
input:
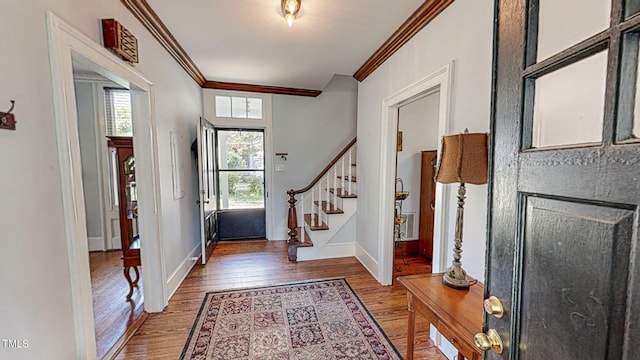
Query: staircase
[(327, 209)]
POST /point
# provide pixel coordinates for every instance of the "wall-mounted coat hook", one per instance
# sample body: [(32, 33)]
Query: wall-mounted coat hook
[(7, 119), (283, 156)]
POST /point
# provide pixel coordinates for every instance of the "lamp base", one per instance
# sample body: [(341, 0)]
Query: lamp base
[(456, 277)]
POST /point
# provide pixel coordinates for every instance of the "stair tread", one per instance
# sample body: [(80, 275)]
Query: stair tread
[(321, 226), (346, 178), (332, 209), (307, 239), (341, 193)]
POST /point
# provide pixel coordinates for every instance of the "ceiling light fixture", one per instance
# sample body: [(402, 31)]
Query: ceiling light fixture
[(290, 9)]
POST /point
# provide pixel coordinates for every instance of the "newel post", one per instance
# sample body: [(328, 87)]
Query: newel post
[(292, 224)]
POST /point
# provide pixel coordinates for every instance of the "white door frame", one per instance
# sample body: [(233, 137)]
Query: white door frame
[(66, 44), (440, 81), (266, 124)]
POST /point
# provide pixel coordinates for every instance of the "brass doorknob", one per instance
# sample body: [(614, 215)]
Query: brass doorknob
[(493, 306), (489, 341)]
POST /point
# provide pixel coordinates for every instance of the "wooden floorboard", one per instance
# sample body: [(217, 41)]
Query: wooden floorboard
[(113, 314), (259, 263)]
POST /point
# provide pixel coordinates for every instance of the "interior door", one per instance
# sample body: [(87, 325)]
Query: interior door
[(565, 180), (205, 134), (241, 184)]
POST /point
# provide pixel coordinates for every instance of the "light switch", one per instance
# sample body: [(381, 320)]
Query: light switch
[(279, 167)]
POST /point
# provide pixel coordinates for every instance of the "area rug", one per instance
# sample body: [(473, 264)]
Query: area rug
[(322, 319)]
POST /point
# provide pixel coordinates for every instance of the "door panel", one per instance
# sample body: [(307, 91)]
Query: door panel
[(241, 224), (563, 227), (573, 287), (207, 200)]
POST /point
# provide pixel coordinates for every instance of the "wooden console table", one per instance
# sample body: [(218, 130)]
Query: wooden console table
[(457, 314)]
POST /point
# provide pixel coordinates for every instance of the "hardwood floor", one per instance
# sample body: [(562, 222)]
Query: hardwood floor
[(255, 263), (113, 314)]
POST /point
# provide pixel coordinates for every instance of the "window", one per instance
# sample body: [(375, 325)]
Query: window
[(118, 123), (118, 112), (241, 168), (238, 107)]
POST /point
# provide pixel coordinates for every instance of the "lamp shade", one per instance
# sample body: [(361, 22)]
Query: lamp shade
[(464, 159)]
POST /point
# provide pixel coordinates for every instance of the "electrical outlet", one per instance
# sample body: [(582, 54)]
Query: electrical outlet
[(279, 167)]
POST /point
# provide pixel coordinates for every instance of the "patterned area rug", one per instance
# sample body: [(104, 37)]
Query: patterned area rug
[(321, 320)]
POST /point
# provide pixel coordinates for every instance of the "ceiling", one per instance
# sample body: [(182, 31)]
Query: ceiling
[(248, 41)]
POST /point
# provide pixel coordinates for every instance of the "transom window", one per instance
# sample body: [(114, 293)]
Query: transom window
[(238, 107)]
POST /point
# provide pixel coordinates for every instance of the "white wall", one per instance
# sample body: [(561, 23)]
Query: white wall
[(90, 177), (463, 33), (418, 122), (312, 131), (35, 300)]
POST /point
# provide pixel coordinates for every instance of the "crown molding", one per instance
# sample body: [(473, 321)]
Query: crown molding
[(148, 17), (219, 85), (416, 22)]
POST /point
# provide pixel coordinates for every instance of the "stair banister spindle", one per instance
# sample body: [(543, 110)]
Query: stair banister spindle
[(303, 233), (327, 194), (342, 174), (326, 206), (319, 207), (312, 212), (350, 175), (335, 184)]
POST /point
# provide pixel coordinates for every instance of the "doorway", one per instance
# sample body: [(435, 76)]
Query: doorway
[(66, 47), (104, 109), (241, 183), (414, 203), (438, 82)]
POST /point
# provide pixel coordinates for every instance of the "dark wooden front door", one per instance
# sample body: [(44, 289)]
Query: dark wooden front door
[(565, 180)]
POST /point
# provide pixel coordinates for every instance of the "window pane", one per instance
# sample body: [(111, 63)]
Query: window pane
[(122, 111), (239, 107), (569, 104), (563, 23), (241, 149), (254, 107), (242, 189), (223, 106), (632, 7), (118, 112), (635, 130)]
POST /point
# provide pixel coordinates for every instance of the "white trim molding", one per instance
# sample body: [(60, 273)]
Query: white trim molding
[(66, 46), (208, 104), (440, 81), (175, 279)]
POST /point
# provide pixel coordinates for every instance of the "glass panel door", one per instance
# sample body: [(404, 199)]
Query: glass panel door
[(241, 168)]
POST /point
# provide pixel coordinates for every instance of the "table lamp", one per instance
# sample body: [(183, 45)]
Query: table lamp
[(463, 159)]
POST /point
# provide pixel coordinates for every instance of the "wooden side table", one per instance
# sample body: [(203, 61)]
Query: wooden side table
[(457, 314)]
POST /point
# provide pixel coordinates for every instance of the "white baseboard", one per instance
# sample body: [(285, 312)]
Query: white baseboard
[(369, 263), (96, 243), (182, 271)]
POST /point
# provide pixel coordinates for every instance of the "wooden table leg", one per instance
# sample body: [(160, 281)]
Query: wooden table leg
[(411, 327)]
